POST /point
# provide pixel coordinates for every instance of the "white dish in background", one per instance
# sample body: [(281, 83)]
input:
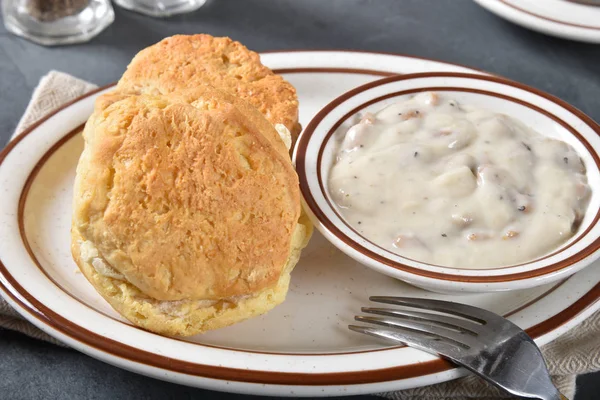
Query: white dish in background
[(300, 348), (316, 149), (568, 19)]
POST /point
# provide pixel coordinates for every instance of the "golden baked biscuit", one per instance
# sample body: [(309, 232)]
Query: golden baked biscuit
[(186, 210), (181, 62)]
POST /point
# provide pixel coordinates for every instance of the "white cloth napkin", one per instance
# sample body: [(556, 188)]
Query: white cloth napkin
[(577, 352)]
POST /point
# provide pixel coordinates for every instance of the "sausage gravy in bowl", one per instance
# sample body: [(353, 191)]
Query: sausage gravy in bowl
[(455, 182), (455, 185)]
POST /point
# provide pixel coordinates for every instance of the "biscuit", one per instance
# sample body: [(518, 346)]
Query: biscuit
[(186, 210), (181, 62)]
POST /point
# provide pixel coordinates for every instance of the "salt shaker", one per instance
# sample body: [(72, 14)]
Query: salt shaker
[(161, 8), (54, 22)]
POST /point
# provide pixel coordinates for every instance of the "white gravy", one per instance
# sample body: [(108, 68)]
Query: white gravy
[(457, 186)]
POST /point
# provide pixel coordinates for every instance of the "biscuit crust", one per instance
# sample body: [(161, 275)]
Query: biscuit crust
[(184, 61)]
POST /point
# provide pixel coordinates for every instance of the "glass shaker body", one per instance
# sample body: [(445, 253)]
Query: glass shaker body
[(55, 22)]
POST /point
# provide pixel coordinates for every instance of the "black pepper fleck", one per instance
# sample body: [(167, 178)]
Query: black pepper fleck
[(501, 197), (416, 154), (526, 146), (522, 208), (355, 177), (566, 160), (362, 145), (444, 235), (359, 222)]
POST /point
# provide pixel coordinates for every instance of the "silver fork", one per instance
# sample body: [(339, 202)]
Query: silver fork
[(483, 342)]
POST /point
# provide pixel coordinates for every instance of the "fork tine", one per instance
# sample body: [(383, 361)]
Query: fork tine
[(413, 339), (500, 352), (460, 325), (465, 341), (461, 310)]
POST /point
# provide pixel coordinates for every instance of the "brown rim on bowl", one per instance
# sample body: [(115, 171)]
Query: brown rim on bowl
[(453, 89), (303, 140), (46, 317)]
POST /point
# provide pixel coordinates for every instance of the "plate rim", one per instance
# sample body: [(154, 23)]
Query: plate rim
[(570, 314), (540, 23)]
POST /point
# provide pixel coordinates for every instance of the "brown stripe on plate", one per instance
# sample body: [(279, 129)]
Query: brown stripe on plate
[(118, 349), (21, 220), (367, 52), (30, 305), (333, 70), (304, 139), (71, 134)]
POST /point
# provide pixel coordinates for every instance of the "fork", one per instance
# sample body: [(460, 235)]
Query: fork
[(482, 342)]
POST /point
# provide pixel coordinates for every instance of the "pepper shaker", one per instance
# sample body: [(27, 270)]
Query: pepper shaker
[(54, 22)]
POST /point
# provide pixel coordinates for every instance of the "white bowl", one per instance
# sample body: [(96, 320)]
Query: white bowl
[(314, 155)]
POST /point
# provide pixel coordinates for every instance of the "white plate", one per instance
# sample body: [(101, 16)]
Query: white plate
[(569, 19), (300, 348)]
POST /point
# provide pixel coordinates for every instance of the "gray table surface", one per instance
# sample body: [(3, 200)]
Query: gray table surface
[(457, 31)]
